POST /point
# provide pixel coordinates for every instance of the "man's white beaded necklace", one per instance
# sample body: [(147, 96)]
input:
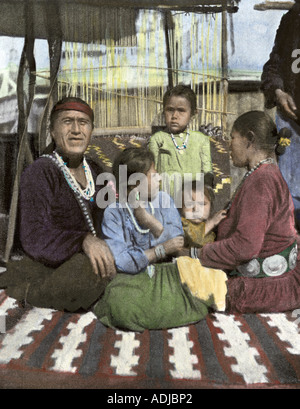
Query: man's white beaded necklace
[(89, 191), (138, 228), (61, 165)]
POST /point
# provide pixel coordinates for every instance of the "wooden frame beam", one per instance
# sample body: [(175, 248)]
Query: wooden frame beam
[(274, 5), (216, 5)]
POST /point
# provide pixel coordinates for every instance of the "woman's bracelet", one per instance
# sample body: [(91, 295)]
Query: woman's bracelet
[(194, 252), (160, 252)]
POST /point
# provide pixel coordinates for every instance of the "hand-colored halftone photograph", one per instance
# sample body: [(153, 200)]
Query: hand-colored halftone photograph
[(149, 197)]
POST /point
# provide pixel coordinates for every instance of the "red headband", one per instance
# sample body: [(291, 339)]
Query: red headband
[(75, 106)]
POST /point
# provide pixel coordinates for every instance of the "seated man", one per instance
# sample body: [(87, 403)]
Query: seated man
[(66, 265)]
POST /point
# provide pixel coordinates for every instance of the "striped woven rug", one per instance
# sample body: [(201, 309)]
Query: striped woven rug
[(44, 348)]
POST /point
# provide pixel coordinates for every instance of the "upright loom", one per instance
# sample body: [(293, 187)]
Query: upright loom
[(121, 56)]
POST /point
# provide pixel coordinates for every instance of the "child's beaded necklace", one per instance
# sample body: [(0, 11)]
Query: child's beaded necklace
[(180, 149), (135, 223)]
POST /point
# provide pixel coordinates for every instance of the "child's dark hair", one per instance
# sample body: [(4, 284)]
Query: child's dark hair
[(137, 160), (208, 192), (259, 128), (182, 90)]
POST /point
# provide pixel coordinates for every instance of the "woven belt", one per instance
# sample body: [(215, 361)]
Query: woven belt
[(272, 266)]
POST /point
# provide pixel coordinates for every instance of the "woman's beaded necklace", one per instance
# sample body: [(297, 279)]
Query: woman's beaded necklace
[(180, 149), (135, 223), (268, 160)]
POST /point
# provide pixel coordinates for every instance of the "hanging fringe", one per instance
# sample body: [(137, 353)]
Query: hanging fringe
[(125, 74)]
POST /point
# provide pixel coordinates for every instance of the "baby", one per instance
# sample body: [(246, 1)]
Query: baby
[(197, 219)]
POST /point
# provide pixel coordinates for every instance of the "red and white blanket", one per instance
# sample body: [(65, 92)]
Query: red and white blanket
[(44, 348)]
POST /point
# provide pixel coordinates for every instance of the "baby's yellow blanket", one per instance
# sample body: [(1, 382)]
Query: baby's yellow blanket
[(204, 283)]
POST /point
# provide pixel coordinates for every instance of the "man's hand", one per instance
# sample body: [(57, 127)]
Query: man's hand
[(100, 256), (286, 103)]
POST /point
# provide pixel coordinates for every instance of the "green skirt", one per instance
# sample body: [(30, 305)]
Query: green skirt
[(141, 301)]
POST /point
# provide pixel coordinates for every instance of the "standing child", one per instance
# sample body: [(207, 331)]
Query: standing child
[(177, 149)]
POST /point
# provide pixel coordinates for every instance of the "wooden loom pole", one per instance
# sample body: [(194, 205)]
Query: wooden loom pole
[(224, 69), (167, 23), (24, 154), (55, 46)]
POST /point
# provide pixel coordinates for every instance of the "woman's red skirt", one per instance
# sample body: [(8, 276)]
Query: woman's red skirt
[(264, 295)]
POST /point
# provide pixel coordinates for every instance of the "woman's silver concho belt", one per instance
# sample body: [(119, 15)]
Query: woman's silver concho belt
[(272, 266)]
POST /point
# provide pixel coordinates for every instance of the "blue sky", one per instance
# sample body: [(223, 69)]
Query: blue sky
[(254, 33)]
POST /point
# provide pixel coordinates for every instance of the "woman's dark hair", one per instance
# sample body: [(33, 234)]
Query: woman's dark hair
[(137, 160), (182, 91), (54, 113), (260, 129)]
